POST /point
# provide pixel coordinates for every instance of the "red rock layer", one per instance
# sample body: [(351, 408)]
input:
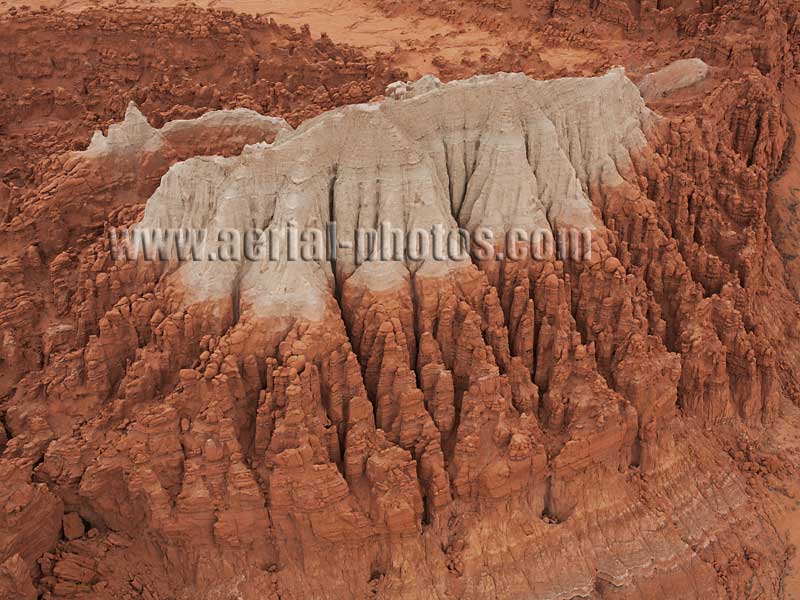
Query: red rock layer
[(67, 75), (517, 429), (564, 37)]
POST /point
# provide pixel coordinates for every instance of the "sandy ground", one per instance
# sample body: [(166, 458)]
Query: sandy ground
[(419, 39)]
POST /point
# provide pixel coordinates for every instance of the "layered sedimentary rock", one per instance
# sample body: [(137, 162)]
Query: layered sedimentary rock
[(406, 428)]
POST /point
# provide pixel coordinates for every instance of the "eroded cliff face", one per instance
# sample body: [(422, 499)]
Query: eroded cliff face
[(494, 428)]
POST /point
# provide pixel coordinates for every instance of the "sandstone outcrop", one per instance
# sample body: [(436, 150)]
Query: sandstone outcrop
[(169, 61), (483, 426), (362, 419)]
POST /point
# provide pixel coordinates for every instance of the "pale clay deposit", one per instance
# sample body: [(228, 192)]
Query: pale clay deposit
[(498, 151)]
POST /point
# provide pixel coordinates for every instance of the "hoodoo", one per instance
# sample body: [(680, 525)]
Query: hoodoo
[(294, 323)]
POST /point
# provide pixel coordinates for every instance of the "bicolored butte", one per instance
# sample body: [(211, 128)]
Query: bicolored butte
[(418, 428)]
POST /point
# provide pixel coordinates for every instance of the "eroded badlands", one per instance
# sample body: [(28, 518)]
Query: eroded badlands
[(619, 427)]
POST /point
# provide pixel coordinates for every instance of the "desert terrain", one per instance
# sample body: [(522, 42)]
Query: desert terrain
[(617, 423)]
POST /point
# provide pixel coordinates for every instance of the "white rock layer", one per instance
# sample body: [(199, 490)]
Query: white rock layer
[(497, 151)]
